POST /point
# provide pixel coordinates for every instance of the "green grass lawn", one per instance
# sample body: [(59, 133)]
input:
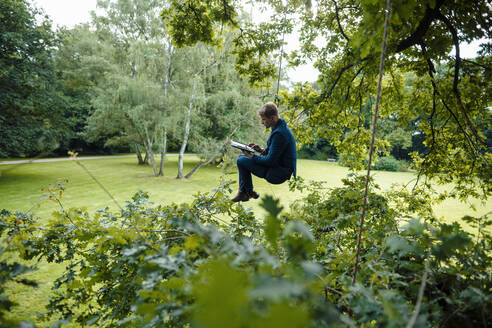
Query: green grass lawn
[(21, 188), (21, 185)]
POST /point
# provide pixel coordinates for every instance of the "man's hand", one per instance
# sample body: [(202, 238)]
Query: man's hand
[(256, 147), (247, 153)]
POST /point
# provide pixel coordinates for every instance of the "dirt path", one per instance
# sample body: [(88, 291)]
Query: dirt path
[(59, 159)]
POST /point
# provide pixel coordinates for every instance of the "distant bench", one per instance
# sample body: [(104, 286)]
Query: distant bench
[(331, 160)]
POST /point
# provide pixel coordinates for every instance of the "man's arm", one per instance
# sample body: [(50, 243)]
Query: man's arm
[(276, 149), (256, 147)]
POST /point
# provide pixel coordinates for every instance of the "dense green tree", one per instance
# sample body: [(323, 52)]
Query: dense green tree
[(321, 149), (32, 109), (81, 66)]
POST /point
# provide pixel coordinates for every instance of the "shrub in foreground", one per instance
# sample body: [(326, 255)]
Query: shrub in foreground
[(211, 263)]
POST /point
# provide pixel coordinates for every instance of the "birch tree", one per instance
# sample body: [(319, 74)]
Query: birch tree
[(142, 54)]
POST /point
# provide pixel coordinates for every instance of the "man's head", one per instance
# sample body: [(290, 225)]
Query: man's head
[(269, 115)]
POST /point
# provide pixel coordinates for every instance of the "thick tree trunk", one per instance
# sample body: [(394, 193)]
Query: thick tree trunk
[(148, 147), (187, 132), (163, 153), (139, 155), (146, 159)]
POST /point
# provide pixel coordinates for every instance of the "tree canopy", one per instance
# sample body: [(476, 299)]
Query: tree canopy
[(32, 110), (445, 95)]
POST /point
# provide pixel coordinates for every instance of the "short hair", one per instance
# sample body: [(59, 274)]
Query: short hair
[(269, 109)]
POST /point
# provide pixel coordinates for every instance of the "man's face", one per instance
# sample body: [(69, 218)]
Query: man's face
[(268, 122)]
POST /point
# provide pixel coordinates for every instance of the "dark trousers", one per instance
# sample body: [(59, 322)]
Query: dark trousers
[(246, 166)]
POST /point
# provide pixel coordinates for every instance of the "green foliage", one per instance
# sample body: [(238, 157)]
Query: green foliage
[(400, 140), (387, 163), (199, 21), (12, 271), (165, 265), (321, 149), (272, 222), (200, 16), (32, 110), (394, 255), (182, 265), (81, 66)]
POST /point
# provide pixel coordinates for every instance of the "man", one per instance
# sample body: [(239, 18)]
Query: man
[(277, 161)]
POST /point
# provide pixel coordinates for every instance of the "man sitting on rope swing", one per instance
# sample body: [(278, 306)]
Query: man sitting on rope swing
[(277, 162)]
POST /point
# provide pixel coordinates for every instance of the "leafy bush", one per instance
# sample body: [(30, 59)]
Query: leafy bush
[(182, 265), (387, 163), (11, 271), (319, 150), (398, 254), (345, 159)]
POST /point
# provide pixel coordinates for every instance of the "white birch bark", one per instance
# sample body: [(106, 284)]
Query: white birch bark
[(148, 147), (186, 132), (163, 152), (167, 81)]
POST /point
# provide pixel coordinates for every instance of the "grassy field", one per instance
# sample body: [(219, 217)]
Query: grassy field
[(21, 188)]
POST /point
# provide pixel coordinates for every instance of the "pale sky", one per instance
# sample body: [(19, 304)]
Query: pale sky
[(71, 12)]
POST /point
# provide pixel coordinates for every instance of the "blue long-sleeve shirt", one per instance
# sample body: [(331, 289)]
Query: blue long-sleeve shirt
[(280, 150)]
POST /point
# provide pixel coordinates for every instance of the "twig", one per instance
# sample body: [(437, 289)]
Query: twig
[(416, 311), (166, 230), (334, 291), (97, 181), (338, 243), (173, 238), (488, 68)]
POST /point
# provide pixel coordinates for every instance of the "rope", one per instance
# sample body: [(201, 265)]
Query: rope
[(371, 150), (277, 98)]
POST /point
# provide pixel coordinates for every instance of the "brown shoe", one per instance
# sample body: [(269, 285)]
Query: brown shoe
[(253, 194), (240, 197)]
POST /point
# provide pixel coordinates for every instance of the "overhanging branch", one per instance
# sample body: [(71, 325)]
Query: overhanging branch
[(431, 72), (457, 64), (429, 16), (338, 21)]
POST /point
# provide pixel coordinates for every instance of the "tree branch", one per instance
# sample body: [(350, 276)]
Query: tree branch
[(434, 86), (424, 24), (487, 68), (416, 311), (457, 63), (338, 21), (336, 80)]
